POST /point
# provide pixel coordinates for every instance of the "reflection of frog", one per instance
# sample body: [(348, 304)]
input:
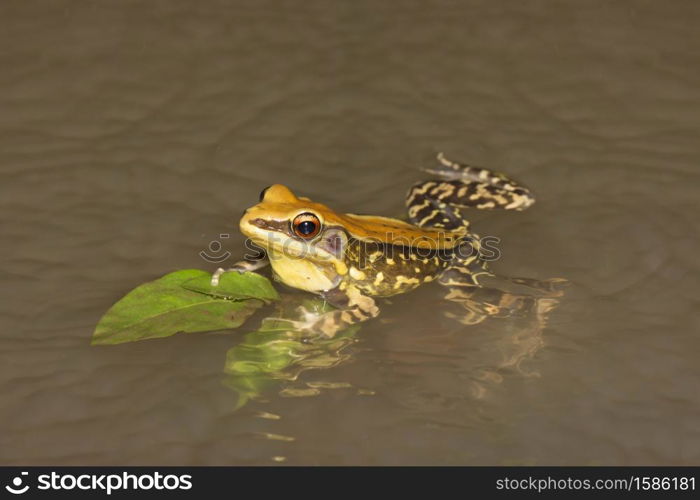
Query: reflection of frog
[(348, 259), (273, 354), (273, 357)]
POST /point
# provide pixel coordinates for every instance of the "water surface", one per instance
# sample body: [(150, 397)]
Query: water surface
[(133, 134)]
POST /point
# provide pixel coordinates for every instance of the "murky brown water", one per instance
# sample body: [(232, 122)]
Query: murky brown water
[(133, 134)]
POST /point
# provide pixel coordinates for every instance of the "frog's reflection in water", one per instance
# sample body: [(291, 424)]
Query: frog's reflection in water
[(518, 310), (275, 355), (271, 359)]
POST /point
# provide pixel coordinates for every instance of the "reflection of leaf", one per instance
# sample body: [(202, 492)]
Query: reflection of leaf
[(249, 387), (275, 352), (163, 307), (235, 286)]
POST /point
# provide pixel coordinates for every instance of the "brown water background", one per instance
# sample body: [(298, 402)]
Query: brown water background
[(132, 134)]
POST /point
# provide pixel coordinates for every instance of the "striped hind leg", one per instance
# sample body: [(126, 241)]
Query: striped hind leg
[(436, 203)]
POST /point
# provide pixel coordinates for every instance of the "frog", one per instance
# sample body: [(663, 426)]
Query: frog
[(352, 260)]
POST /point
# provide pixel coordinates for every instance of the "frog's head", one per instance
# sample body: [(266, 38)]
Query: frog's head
[(295, 226)]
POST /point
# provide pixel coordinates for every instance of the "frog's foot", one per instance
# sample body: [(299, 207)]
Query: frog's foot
[(242, 266)]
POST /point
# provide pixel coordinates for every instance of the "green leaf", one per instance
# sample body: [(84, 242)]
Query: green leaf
[(163, 307), (235, 286)]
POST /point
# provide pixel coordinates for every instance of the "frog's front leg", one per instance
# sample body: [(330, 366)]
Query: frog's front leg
[(353, 307), (242, 266)]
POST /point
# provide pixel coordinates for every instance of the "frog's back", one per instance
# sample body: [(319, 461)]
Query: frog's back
[(373, 228)]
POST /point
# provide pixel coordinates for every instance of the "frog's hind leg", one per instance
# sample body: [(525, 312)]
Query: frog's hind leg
[(436, 203), (426, 209)]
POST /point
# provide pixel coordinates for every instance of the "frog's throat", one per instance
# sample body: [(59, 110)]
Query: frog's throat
[(299, 251)]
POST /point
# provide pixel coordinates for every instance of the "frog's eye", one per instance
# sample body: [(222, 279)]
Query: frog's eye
[(306, 225), (262, 193)]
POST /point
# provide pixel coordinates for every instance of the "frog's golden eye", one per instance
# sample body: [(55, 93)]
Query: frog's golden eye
[(262, 193), (306, 225)]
